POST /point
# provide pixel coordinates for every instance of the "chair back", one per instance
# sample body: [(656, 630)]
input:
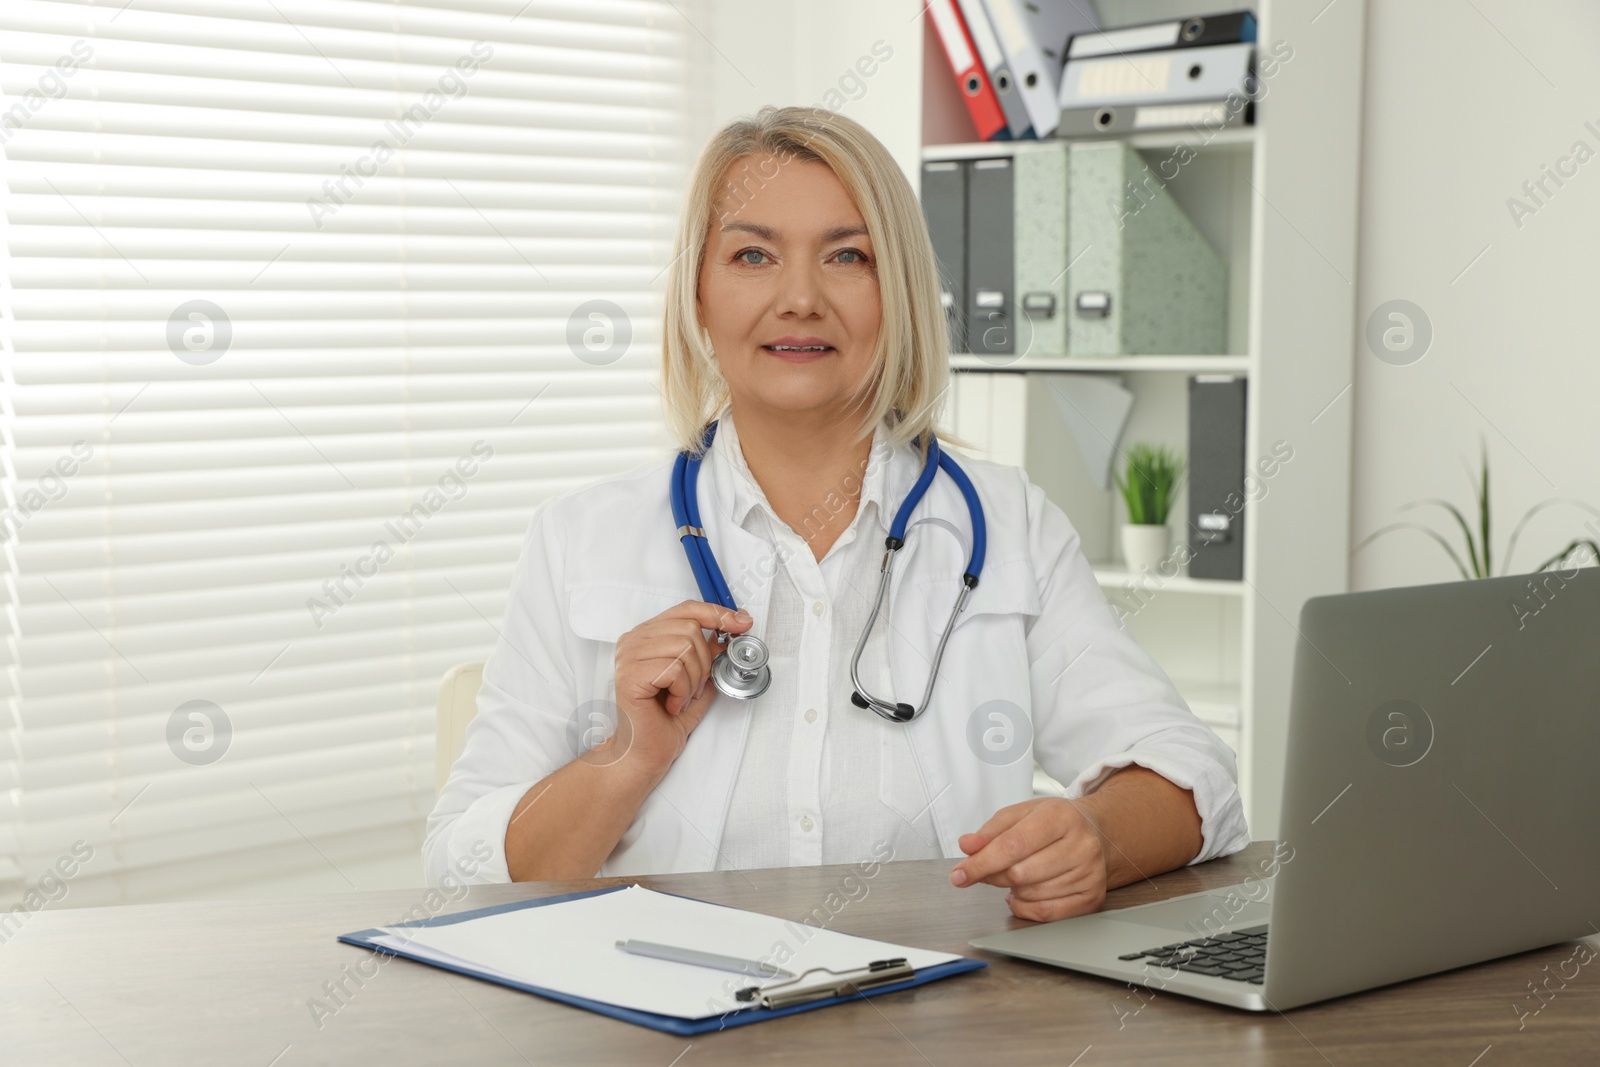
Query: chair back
[(458, 703)]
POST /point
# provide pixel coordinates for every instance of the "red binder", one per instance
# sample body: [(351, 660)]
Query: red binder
[(971, 79)]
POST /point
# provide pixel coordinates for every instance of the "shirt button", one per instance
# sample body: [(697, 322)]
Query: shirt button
[(806, 823), (811, 715), (816, 608)]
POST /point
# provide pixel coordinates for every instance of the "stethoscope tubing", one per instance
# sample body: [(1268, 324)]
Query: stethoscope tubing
[(686, 513), (708, 575)]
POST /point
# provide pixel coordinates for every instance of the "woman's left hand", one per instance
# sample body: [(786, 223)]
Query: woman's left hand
[(1046, 852)]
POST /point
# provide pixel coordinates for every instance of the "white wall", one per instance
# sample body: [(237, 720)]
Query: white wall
[(797, 52), (1464, 103)]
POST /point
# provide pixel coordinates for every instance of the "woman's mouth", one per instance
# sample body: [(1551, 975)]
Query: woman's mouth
[(799, 353)]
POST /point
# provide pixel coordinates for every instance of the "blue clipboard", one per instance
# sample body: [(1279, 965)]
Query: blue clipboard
[(671, 1024)]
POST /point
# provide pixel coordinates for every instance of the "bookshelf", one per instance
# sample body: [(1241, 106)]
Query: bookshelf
[(1119, 364), (1278, 201)]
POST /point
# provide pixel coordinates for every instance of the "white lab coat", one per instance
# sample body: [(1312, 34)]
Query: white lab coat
[(1036, 632)]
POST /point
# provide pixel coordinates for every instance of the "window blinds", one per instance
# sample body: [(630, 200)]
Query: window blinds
[(307, 304)]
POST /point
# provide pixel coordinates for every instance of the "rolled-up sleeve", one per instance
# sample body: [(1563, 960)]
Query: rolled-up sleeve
[(1102, 703), (519, 735)]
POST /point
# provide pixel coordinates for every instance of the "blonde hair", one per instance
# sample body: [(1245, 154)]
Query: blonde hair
[(911, 362)]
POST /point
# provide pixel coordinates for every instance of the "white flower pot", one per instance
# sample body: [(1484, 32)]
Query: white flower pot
[(1144, 547)]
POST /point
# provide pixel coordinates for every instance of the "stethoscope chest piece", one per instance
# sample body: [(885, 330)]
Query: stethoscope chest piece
[(741, 670)]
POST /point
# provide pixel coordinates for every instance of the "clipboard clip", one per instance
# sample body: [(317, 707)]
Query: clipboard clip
[(799, 990)]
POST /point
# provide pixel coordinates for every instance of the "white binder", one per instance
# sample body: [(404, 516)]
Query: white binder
[(1197, 31), (1203, 116), (1034, 34), (1172, 76)]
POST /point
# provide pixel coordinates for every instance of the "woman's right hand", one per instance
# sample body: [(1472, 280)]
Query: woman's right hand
[(663, 672)]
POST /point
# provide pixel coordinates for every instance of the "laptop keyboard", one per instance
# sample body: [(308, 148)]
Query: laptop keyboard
[(1241, 955)]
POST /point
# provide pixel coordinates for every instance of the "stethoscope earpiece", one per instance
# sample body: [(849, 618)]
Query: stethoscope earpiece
[(899, 713)]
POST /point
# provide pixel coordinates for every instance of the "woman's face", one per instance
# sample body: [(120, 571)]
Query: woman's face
[(788, 265)]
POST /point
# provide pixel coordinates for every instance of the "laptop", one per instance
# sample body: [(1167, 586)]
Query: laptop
[(1441, 806)]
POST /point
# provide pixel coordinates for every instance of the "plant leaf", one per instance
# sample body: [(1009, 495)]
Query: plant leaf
[(1483, 503), (1461, 521), (1430, 531), (1565, 552), (1148, 485), (1505, 565)]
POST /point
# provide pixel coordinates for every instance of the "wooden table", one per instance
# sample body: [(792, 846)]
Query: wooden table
[(234, 982)]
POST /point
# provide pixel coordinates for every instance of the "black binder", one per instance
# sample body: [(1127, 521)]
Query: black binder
[(1216, 476), (990, 263), (944, 205)]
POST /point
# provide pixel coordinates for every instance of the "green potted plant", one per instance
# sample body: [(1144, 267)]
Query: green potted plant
[(1149, 485), (1476, 562)]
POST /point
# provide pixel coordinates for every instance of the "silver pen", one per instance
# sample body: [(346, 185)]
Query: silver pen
[(753, 968)]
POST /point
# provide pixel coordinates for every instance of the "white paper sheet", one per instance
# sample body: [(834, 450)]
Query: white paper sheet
[(571, 948)]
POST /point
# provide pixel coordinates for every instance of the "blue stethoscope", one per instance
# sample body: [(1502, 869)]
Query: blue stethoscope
[(741, 670)]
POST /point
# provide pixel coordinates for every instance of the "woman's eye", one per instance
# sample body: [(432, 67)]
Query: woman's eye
[(861, 257), (750, 252)]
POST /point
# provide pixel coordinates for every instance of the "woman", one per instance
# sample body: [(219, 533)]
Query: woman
[(803, 315)]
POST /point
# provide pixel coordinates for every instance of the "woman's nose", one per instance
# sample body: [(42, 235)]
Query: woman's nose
[(800, 290)]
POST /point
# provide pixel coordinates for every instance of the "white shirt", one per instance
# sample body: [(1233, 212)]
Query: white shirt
[(1037, 666), (821, 781)]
